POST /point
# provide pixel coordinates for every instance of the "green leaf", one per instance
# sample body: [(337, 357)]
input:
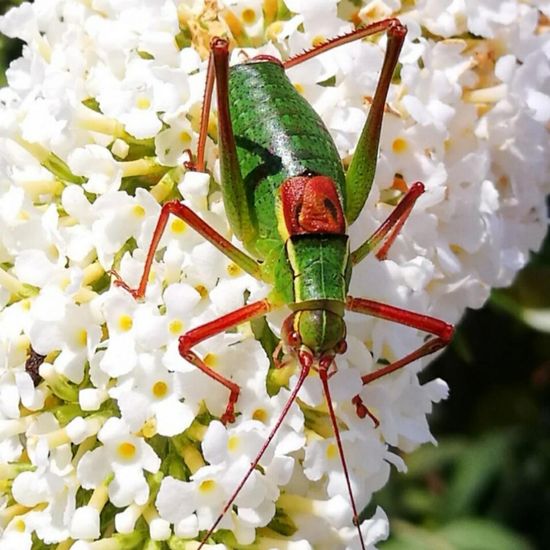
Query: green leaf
[(476, 469), (406, 536), (479, 534)]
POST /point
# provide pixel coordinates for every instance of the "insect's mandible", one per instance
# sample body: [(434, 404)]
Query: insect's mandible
[(289, 201)]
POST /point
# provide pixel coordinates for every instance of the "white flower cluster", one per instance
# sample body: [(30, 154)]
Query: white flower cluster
[(108, 438)]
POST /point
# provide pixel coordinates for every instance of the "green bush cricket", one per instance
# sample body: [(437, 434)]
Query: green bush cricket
[(289, 202)]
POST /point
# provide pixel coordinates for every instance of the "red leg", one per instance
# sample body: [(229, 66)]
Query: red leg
[(357, 34), (442, 331), (196, 335), (390, 227), (177, 208), (198, 165)]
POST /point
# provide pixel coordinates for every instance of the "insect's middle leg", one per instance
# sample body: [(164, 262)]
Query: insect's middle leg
[(196, 335), (442, 331)]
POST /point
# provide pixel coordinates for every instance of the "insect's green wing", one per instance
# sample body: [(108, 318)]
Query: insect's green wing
[(278, 135)]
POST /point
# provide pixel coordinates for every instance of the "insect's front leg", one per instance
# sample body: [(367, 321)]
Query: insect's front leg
[(196, 335), (442, 331)]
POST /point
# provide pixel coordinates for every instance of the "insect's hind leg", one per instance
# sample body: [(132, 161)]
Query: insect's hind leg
[(390, 228), (360, 174), (238, 207), (442, 331), (196, 335)]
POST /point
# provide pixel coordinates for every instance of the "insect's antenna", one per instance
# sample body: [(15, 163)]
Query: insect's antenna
[(323, 375), (357, 34), (306, 360)]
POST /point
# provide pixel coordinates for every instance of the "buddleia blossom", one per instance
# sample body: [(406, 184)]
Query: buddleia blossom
[(108, 438)]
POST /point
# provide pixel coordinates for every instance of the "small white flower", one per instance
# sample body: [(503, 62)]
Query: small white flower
[(126, 456)]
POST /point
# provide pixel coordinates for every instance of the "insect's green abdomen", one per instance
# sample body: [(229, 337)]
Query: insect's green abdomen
[(278, 135)]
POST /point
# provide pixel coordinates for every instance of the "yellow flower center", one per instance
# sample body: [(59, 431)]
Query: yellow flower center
[(175, 326), (399, 145), (318, 40), (260, 415), (233, 443), (143, 102), (125, 323), (248, 15), (82, 337), (160, 388), (456, 249), (185, 137), (138, 211), (332, 451), (233, 269), (178, 226), (207, 486), (126, 450), (202, 290), (299, 88), (19, 525), (211, 360)]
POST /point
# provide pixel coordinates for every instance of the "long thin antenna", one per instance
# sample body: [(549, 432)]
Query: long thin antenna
[(323, 375), (305, 362)]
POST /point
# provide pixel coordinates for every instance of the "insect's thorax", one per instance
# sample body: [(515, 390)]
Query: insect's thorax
[(278, 135), (313, 271)]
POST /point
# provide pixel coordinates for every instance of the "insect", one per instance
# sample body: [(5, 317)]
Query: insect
[(289, 201)]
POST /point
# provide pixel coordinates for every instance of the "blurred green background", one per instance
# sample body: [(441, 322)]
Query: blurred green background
[(487, 484)]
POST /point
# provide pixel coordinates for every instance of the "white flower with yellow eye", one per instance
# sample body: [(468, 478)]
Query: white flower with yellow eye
[(60, 325), (150, 395), (124, 455), (117, 217)]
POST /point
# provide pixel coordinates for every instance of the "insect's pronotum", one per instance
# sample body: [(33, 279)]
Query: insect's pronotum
[(289, 201)]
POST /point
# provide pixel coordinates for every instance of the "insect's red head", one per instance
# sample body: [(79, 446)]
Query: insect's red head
[(315, 333)]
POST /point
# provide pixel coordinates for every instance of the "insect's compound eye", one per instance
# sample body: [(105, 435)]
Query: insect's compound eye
[(341, 347), (293, 339)]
